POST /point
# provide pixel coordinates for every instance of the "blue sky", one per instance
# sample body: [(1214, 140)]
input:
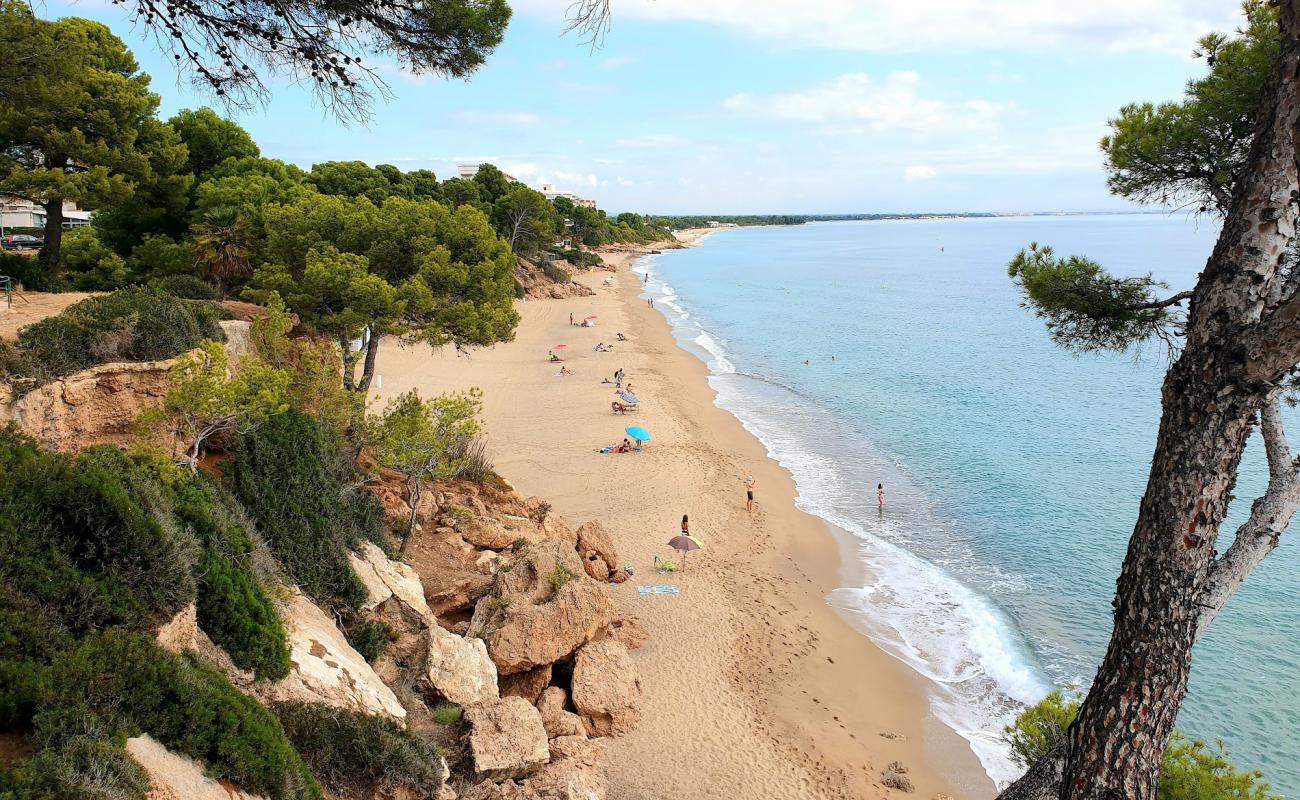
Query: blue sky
[(768, 106)]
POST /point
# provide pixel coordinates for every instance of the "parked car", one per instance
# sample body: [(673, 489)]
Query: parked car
[(21, 241)]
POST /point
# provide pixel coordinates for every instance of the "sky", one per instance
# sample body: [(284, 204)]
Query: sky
[(766, 106)]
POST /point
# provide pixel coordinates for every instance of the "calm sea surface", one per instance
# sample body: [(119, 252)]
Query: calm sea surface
[(1012, 469)]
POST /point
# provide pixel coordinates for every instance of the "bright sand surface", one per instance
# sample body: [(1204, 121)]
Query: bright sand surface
[(754, 686)]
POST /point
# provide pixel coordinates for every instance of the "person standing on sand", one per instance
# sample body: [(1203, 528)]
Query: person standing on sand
[(880, 495), (686, 525), (749, 493), (570, 319)]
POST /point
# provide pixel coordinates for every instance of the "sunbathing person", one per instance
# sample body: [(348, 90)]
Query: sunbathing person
[(622, 408), (621, 337), (564, 371), (554, 358)]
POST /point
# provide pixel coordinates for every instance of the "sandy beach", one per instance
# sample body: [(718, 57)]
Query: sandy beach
[(754, 686)]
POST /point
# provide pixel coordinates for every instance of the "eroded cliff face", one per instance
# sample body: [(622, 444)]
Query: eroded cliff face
[(540, 286), (99, 405)]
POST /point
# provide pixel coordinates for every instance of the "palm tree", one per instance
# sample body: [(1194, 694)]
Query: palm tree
[(221, 243)]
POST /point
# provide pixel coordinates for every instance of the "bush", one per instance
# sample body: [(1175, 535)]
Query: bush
[(137, 324), (370, 638), (161, 257), (291, 480), (474, 463), (124, 684), (360, 756), (96, 546), (28, 272), (447, 714), (581, 258), (232, 606), (555, 273), (84, 767), (91, 264), (1191, 770), (188, 287)]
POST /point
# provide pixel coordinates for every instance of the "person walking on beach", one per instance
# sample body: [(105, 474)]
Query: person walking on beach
[(880, 495), (749, 493)]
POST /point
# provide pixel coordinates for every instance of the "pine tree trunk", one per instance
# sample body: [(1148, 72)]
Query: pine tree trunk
[(52, 250)]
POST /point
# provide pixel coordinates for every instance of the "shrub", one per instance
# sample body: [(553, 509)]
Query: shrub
[(137, 324), (555, 273), (27, 272), (558, 576), (83, 767), (447, 714), (124, 684), (360, 756), (186, 286), (370, 638), (161, 257), (91, 264), (232, 606), (288, 476), (96, 546), (474, 462), (1191, 770)]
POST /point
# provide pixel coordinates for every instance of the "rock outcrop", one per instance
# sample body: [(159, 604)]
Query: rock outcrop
[(181, 634), (629, 631), (595, 547), (576, 772), (386, 580), (175, 777), (459, 668), (606, 688), (542, 610), (506, 738), (555, 718), (325, 668), (528, 685), (540, 286)]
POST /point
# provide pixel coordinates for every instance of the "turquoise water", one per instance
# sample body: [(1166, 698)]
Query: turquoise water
[(1012, 469)]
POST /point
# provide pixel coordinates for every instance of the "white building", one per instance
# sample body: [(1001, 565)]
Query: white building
[(468, 171), (18, 212), (550, 193)]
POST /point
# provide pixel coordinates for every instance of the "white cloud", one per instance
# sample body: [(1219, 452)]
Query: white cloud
[(858, 101), (484, 116), (520, 170), (651, 142), (894, 26), (919, 172), (614, 62), (575, 178)]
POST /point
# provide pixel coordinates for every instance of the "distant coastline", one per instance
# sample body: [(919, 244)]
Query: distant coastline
[(712, 222)]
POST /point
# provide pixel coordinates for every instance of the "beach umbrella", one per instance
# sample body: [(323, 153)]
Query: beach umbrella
[(593, 316), (559, 347), (638, 433), (684, 544)]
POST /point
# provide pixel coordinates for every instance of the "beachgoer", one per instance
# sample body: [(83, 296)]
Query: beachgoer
[(880, 495), (806, 362), (565, 371), (749, 493), (686, 525), (621, 337), (570, 317)]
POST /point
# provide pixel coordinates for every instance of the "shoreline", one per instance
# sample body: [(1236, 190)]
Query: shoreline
[(754, 684)]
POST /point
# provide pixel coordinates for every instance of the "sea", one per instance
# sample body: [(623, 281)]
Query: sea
[(897, 352)]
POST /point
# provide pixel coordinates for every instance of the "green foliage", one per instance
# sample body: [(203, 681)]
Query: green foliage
[(27, 272), (447, 714), (357, 756), (458, 192), (524, 219), (96, 545), (91, 265), (137, 324), (185, 286), (233, 608), (290, 478), (580, 258), (123, 684), (75, 75), (491, 182), (370, 638), (157, 206), (1085, 307), (82, 767), (558, 577), (555, 273), (1039, 727), (1196, 149), (358, 179), (1191, 770), (159, 256), (210, 139)]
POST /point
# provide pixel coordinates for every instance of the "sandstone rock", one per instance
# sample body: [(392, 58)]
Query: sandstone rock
[(555, 718), (629, 631), (528, 685), (606, 688), (506, 738), (894, 776), (175, 777), (386, 579), (182, 634), (595, 547), (541, 610), (325, 668), (459, 668), (576, 773)]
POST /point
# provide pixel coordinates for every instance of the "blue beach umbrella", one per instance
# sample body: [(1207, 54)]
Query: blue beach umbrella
[(638, 433)]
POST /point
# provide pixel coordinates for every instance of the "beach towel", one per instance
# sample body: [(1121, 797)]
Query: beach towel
[(661, 588)]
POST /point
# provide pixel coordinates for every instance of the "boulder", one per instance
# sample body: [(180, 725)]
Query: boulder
[(576, 772), (386, 579), (492, 534), (175, 777), (629, 631), (459, 668), (606, 688), (528, 685), (506, 738), (325, 668), (541, 610), (555, 718), (595, 547)]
